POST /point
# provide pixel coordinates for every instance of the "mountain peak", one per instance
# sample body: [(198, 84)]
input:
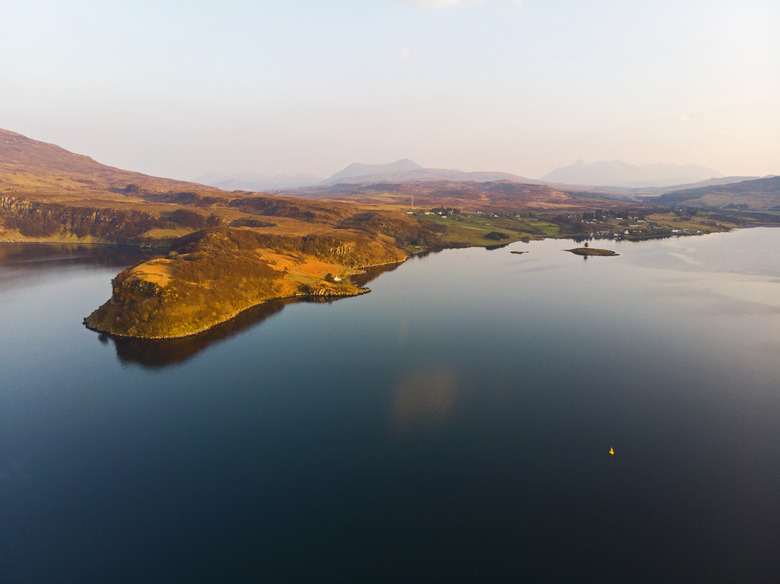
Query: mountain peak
[(359, 169)]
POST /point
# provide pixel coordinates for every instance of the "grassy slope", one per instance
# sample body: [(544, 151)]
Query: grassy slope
[(471, 229)]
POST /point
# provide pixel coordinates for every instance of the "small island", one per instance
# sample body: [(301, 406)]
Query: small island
[(592, 251)]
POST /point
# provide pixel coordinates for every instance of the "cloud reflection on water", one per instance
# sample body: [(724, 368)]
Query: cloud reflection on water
[(423, 400)]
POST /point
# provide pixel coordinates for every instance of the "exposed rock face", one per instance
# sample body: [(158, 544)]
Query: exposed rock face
[(35, 219)]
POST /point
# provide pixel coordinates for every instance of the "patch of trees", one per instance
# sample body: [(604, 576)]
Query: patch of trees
[(630, 212), (729, 218), (193, 219), (496, 236), (570, 224), (187, 218), (686, 212), (758, 216), (33, 225), (248, 222)]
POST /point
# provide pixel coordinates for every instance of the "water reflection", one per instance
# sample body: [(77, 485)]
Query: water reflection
[(475, 450), (40, 254), (423, 400), (161, 353), (424, 254), (22, 264), (372, 273)]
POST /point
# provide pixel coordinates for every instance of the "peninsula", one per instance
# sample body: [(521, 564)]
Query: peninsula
[(215, 274)]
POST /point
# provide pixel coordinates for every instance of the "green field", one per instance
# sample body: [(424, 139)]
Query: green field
[(473, 229)]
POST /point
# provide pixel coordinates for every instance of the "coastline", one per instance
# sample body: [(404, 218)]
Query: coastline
[(300, 297), (74, 240), (318, 294), (192, 292)]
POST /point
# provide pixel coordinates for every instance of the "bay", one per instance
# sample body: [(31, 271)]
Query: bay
[(453, 425)]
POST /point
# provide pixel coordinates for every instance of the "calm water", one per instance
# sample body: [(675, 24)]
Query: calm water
[(451, 426)]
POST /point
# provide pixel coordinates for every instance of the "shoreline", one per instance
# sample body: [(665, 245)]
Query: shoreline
[(317, 295), (301, 297)]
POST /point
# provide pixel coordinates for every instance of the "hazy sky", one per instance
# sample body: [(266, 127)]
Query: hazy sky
[(177, 88)]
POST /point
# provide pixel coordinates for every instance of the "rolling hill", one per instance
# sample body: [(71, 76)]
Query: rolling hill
[(755, 195), (45, 171), (617, 173), (489, 195)]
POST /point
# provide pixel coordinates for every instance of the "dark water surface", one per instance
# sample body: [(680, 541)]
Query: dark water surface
[(451, 426)]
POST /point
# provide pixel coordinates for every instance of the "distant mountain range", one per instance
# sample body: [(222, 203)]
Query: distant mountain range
[(361, 171), (617, 173), (398, 172), (253, 181), (616, 177), (44, 172), (50, 172), (403, 171)]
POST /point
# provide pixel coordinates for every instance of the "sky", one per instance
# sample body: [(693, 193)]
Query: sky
[(278, 87)]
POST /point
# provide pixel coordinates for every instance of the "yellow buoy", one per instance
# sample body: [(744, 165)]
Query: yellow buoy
[(611, 452)]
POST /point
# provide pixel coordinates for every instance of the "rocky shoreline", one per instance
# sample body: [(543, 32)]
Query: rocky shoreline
[(320, 295)]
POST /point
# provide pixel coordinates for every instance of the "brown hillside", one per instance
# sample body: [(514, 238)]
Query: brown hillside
[(498, 195), (41, 170), (761, 194)]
